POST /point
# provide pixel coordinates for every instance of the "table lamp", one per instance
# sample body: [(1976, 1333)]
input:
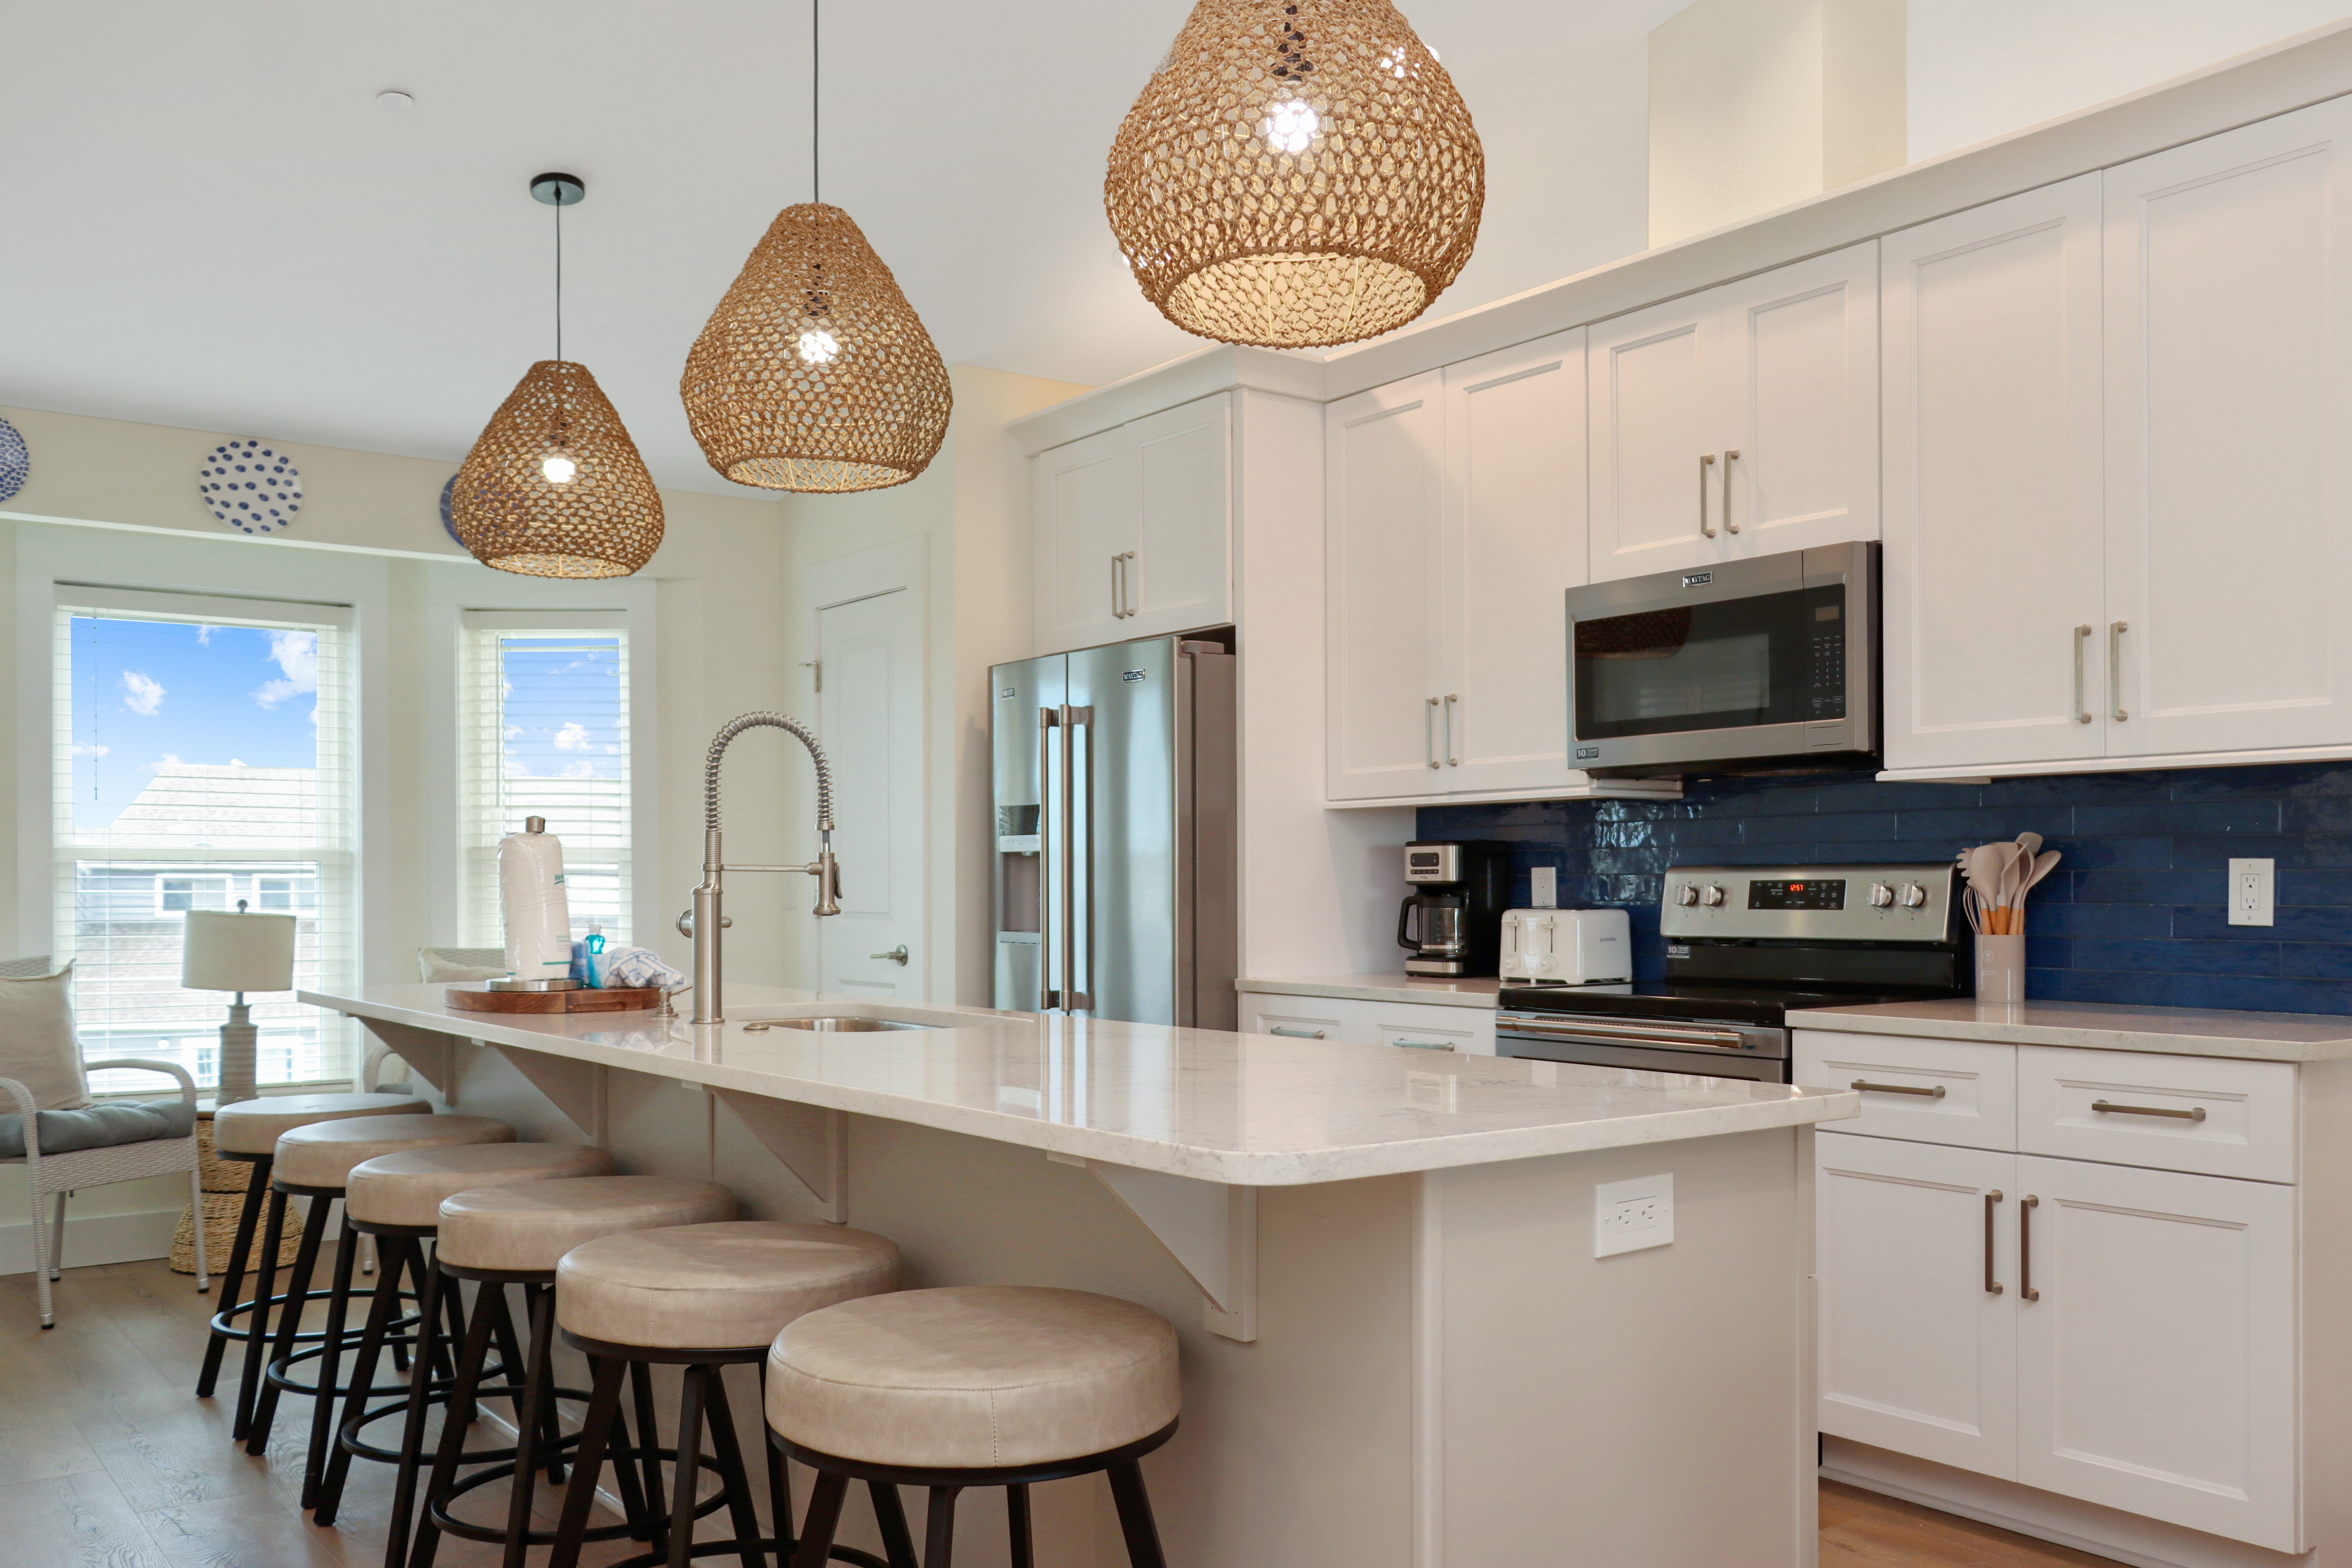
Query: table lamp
[(239, 952)]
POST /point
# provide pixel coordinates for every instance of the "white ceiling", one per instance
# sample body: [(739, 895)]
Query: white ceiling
[(210, 223)]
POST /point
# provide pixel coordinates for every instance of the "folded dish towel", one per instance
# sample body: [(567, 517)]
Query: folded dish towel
[(622, 967)]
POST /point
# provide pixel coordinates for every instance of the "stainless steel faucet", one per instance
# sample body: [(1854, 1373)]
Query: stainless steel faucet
[(705, 922)]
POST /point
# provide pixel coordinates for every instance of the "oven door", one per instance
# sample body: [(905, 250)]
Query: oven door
[(1706, 1049), (1776, 656)]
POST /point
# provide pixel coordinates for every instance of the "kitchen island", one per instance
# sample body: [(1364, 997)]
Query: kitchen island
[(1400, 1348)]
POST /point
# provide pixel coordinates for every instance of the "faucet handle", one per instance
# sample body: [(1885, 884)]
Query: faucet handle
[(685, 923), (827, 872)]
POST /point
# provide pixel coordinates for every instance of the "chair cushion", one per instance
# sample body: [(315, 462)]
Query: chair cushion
[(322, 1154), (407, 1188), (529, 1225), (715, 1286), (254, 1126), (100, 1126), (973, 1376), (36, 1040)]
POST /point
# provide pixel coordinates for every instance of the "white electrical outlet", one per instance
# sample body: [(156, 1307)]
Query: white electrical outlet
[(2252, 885), (1630, 1215), (1543, 887)]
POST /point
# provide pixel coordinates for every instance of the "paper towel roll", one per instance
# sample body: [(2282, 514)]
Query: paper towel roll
[(531, 896)]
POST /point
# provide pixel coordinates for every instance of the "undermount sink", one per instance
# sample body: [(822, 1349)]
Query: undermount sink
[(837, 1025)]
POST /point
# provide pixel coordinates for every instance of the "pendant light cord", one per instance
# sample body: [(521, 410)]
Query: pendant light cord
[(559, 274), (816, 56)]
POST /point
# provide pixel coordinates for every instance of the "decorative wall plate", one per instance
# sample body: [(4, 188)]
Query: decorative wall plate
[(449, 523), (16, 462), (251, 486)]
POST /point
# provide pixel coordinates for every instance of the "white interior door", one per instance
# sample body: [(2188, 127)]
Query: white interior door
[(1994, 555), (1918, 1353), (870, 719)]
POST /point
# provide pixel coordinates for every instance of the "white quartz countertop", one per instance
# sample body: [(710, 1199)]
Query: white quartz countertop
[(1380, 988), (2097, 1026), (1251, 1109)]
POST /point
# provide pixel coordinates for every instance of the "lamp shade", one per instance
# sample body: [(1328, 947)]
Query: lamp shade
[(555, 487), (237, 953)]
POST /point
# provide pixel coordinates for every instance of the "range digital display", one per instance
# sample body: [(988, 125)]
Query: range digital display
[(1813, 893)]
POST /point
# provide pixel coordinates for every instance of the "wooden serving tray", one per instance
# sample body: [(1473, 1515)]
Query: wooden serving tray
[(619, 999)]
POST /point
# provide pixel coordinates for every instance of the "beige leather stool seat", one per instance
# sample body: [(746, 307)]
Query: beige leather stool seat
[(979, 1378), (407, 1188), (529, 1225), (715, 1286), (254, 1126), (322, 1154)]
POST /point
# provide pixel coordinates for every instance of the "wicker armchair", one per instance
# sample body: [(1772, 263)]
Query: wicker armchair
[(56, 1175)]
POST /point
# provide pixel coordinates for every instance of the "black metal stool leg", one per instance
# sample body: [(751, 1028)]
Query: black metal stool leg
[(685, 1478), (729, 1451), (394, 1253), (1134, 1516), (330, 1355), (412, 1435), (890, 1513), (939, 1527), (542, 1350), (257, 1192), (641, 1389), (492, 1298), (824, 1518), (256, 1321), (1016, 1519), (477, 1351), (289, 1327), (530, 1423), (595, 1431)]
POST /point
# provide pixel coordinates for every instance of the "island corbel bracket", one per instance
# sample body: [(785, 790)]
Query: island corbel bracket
[(574, 1088), (1210, 1228), (812, 1141)]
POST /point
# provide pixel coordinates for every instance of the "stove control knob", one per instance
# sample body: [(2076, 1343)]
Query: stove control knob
[(1686, 895), (1711, 896), (1914, 895), (1881, 895)]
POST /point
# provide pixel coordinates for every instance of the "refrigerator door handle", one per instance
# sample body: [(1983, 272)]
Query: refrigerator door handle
[(1077, 892), (1049, 996)]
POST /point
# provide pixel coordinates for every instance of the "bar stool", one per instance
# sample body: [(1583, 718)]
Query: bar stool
[(396, 1199), (702, 1297), (247, 1131), (506, 1235), (313, 1161), (974, 1386)]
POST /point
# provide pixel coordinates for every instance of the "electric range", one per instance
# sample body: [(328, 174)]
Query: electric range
[(1744, 946)]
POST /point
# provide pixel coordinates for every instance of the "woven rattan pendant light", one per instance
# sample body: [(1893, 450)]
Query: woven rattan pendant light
[(554, 488), (815, 374), (1296, 173)]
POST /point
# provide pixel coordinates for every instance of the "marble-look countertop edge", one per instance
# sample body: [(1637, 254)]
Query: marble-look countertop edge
[(1365, 988), (2183, 1041), (1299, 1167)]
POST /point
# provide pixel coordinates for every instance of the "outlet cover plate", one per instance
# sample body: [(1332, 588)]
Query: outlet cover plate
[(1628, 1216), (1543, 887), (2253, 889)]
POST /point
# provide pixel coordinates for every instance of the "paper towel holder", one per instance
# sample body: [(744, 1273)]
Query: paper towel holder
[(514, 982)]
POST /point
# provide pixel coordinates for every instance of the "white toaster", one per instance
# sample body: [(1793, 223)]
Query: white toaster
[(1567, 947)]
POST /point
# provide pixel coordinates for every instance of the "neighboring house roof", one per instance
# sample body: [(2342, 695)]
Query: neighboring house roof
[(203, 805)]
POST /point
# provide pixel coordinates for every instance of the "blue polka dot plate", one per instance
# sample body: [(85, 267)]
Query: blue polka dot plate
[(251, 486)]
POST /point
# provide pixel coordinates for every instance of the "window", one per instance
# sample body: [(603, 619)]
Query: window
[(543, 730), (204, 755)]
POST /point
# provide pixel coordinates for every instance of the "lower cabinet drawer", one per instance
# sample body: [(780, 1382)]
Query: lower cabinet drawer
[(1426, 1025), (2209, 1115), (1296, 1018), (1932, 1092)]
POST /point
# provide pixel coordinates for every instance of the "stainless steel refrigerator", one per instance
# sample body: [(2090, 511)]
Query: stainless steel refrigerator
[(1115, 876)]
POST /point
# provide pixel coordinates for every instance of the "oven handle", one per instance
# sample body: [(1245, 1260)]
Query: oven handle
[(1620, 1034)]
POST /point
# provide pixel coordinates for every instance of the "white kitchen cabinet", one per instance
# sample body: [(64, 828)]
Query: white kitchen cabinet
[(1740, 421), (1423, 1026), (2229, 345), (1993, 556), (1918, 1353), (1133, 529)]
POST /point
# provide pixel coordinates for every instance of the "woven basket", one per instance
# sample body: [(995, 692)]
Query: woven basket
[(225, 1183)]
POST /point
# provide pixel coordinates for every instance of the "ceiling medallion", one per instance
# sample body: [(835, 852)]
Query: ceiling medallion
[(815, 374), (554, 488), (1296, 174)]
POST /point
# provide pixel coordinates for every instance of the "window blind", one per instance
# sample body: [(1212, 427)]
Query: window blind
[(543, 729), (158, 809)]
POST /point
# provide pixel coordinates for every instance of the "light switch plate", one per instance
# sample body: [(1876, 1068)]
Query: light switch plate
[(1543, 887), (1628, 1216), (2252, 892)]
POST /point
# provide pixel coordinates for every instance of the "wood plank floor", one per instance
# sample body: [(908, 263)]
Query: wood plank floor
[(107, 1460)]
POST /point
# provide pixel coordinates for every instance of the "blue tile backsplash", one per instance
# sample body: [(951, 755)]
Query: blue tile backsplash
[(2133, 913)]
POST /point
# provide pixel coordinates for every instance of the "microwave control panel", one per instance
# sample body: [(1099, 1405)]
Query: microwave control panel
[(1889, 901)]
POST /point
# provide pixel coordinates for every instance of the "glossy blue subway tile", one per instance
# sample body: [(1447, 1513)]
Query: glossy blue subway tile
[(2264, 996), (2127, 987), (2316, 814), (2048, 952), (2317, 922), (2151, 886), (2178, 957), (2198, 852), (2177, 816), (2078, 853), (2313, 888), (2315, 961), (1972, 824), (2064, 919), (2077, 789), (1843, 828)]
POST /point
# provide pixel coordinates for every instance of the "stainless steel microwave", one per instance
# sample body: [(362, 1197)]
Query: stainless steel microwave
[(1774, 658)]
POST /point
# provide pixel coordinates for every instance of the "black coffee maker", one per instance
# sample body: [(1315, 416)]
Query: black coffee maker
[(1452, 923)]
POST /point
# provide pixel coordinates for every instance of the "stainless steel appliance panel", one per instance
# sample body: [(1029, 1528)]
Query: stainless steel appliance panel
[(1869, 902), (1635, 1059), (1023, 748), (1129, 944), (1209, 833)]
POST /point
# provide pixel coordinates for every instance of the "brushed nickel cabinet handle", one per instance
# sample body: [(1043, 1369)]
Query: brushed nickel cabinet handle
[(2025, 1248), (2194, 1113), (2082, 640), (1451, 759), (1428, 732), (1290, 1034), (1423, 1045), (2116, 671), (1049, 996), (1729, 526), (1706, 461), (1992, 1286), (1869, 1087)]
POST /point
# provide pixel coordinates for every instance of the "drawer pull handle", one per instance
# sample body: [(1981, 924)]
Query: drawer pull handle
[(1424, 1044), (2025, 1248), (1296, 1034), (1868, 1087), (2194, 1113), (1992, 1286)]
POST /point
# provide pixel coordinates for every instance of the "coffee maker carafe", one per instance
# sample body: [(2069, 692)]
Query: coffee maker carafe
[(1452, 925)]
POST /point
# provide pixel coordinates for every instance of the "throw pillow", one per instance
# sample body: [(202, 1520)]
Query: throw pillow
[(36, 1040)]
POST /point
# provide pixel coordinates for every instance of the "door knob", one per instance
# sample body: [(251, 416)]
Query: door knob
[(897, 955)]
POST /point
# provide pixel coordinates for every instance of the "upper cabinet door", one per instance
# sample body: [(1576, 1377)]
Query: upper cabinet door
[(1087, 513), (1655, 501), (1384, 462), (1181, 576), (1798, 429), (1993, 507), (1515, 544), (2229, 296)]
